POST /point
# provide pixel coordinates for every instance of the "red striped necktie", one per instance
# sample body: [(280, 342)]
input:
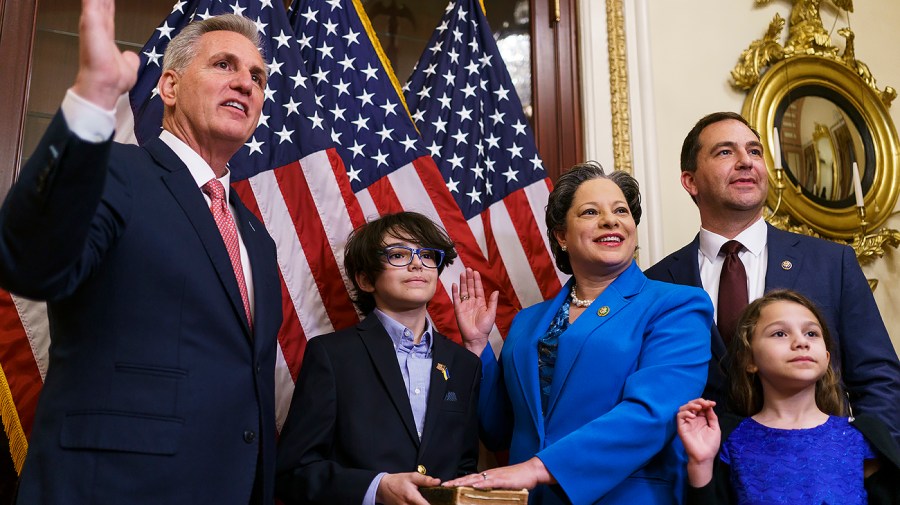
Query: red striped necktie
[(225, 222)]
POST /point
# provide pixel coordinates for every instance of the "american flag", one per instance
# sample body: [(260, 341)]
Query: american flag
[(388, 165), (335, 145), (24, 347), (463, 101)]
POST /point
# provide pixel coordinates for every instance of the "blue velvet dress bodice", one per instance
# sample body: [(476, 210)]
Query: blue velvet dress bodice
[(823, 464)]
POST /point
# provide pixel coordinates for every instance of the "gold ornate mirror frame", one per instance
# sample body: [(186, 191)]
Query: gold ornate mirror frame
[(811, 187), (814, 76)]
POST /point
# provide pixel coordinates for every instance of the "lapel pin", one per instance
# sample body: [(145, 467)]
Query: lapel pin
[(786, 265), (444, 370), (603, 311)]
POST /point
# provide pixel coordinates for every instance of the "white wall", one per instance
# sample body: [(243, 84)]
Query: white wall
[(684, 57)]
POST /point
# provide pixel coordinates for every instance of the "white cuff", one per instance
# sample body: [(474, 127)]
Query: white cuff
[(86, 120)]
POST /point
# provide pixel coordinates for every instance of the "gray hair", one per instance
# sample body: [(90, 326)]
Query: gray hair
[(560, 201), (183, 48)]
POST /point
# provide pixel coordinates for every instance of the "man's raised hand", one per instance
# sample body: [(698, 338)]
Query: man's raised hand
[(104, 72)]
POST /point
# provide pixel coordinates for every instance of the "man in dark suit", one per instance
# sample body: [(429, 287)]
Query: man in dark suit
[(724, 171), (388, 405), (163, 316)]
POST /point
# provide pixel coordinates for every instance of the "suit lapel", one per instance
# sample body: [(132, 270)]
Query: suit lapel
[(441, 354), (384, 358), (185, 191), (717, 343), (685, 270), (783, 264), (255, 252), (610, 303), (525, 354)]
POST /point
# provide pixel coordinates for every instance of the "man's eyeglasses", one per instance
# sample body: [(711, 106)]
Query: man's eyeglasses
[(400, 256)]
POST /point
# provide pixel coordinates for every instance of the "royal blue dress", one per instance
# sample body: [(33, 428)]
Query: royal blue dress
[(823, 464)]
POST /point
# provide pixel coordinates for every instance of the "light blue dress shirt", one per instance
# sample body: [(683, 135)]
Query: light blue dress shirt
[(415, 367)]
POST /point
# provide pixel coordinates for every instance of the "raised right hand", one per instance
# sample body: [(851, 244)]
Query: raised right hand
[(698, 427), (104, 72), (403, 488), (475, 314)]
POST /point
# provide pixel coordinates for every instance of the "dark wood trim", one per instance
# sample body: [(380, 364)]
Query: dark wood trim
[(557, 90), (17, 23), (13, 43)]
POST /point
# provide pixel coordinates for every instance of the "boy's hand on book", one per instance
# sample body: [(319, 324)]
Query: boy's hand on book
[(403, 488)]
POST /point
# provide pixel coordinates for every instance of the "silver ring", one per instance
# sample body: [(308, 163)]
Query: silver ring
[(484, 474), (464, 298)]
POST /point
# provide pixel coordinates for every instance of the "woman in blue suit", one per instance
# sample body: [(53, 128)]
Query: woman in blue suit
[(588, 383)]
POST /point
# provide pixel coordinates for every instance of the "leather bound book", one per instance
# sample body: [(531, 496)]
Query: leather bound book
[(471, 496)]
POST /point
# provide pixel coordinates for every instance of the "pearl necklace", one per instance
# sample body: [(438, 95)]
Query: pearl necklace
[(578, 302)]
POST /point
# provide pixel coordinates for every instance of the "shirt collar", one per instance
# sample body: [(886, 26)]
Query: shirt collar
[(396, 330), (753, 239), (197, 166)]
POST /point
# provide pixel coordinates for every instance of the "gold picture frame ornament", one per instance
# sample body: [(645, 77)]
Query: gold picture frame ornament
[(809, 65), (778, 87)]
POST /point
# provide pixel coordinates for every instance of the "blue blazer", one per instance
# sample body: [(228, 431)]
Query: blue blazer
[(624, 368), (829, 274), (157, 390)]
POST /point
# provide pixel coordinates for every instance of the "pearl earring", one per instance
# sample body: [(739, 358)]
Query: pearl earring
[(563, 248)]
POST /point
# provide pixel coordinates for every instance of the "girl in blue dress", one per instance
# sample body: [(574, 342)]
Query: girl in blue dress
[(794, 444)]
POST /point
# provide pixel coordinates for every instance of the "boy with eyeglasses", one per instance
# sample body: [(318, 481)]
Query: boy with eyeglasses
[(388, 405)]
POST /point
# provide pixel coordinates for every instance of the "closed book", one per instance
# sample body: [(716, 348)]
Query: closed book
[(471, 496)]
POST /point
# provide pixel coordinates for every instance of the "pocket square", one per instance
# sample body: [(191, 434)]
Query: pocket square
[(450, 396)]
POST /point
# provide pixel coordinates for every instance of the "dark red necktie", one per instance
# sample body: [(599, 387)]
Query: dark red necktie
[(733, 296), (219, 208)]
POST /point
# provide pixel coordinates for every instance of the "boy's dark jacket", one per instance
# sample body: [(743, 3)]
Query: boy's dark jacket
[(350, 417)]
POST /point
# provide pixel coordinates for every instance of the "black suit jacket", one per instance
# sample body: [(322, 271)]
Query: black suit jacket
[(828, 274), (157, 390), (350, 417)]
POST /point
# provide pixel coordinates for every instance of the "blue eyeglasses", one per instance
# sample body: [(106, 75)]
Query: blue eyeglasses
[(400, 256)]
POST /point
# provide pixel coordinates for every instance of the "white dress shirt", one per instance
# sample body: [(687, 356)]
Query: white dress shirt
[(754, 256)]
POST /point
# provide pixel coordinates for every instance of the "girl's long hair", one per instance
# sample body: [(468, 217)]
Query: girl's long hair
[(745, 389)]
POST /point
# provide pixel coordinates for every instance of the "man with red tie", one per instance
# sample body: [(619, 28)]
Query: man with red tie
[(162, 289), (737, 257)]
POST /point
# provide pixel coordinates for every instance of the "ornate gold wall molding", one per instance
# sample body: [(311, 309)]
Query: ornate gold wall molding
[(618, 85), (808, 83), (806, 36)]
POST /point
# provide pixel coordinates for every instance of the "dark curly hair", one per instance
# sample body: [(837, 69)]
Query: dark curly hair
[(561, 197), (362, 254)]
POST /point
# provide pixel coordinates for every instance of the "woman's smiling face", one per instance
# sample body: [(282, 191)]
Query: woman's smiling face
[(600, 235)]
